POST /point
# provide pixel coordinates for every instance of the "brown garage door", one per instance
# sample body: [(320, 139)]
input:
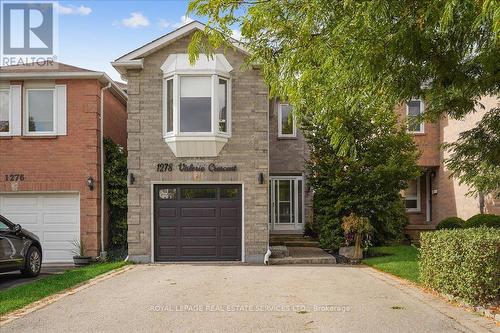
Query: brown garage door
[(197, 222)]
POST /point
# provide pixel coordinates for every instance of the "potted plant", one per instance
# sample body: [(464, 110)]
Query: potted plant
[(79, 258), (355, 229)]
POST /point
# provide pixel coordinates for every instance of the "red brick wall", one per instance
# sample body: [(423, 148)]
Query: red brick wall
[(115, 119), (63, 163)]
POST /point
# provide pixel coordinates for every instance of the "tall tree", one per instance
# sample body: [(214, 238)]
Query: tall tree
[(342, 58)]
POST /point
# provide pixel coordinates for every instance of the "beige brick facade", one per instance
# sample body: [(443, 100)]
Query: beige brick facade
[(247, 149)]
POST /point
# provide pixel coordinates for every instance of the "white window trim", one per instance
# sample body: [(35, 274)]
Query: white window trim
[(417, 197), (9, 133), (422, 110), (27, 132), (280, 123)]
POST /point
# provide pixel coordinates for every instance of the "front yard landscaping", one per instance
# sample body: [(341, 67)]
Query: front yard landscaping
[(401, 260), (17, 297)]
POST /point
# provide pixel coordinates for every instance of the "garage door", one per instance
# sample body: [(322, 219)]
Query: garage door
[(55, 218), (197, 222)]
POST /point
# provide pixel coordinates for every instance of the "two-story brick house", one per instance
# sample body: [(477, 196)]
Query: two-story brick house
[(216, 166), (50, 145)]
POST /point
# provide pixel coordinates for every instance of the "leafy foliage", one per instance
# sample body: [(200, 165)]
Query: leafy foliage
[(475, 156), (450, 223), (483, 220), (464, 263), (340, 59), (367, 184), (115, 176)]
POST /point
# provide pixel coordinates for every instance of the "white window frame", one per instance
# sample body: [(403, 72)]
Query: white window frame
[(422, 110), (176, 79), (26, 113), (280, 123), (417, 197), (9, 133)]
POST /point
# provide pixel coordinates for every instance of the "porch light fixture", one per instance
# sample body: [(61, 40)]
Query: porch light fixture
[(261, 178), (132, 179), (90, 183)]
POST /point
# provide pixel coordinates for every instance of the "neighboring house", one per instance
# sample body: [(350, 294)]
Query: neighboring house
[(215, 166), (50, 144), (434, 195)]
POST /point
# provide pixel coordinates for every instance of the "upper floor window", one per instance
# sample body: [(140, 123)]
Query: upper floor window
[(5, 112), (414, 111), (286, 121), (40, 111), (197, 104), (411, 196)]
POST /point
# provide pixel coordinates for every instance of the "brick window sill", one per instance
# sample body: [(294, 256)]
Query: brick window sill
[(34, 137)]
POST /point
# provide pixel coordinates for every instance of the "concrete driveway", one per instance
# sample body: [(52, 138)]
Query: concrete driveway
[(230, 298)]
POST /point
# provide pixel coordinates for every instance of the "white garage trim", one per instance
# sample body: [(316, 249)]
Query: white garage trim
[(152, 217), (54, 216)]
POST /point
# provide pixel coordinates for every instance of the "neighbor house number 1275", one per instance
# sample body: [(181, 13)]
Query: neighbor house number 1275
[(14, 177)]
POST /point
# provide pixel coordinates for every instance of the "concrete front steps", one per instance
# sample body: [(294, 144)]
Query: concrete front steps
[(307, 255), (291, 240)]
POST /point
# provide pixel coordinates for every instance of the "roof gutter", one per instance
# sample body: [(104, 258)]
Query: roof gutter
[(103, 252)]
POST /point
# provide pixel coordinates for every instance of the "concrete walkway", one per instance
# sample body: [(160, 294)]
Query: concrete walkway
[(240, 298)]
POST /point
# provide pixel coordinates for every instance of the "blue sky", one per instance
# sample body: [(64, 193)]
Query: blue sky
[(94, 33)]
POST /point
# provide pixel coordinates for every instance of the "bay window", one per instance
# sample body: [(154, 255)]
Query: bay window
[(196, 105)]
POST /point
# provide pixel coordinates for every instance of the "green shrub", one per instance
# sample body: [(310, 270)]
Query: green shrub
[(463, 263), (451, 223), (483, 220)]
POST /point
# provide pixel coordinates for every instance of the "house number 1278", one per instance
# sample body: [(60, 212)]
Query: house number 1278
[(14, 177)]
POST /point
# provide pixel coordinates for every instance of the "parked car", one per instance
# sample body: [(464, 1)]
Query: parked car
[(19, 249)]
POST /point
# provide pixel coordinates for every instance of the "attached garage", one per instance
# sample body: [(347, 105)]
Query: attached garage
[(54, 217), (197, 222)]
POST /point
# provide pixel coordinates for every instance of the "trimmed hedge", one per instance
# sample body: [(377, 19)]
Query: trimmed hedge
[(483, 220), (450, 223), (463, 263)]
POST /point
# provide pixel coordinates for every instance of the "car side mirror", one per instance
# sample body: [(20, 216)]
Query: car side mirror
[(17, 228)]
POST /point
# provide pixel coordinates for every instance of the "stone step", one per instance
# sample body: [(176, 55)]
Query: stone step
[(295, 243), (302, 261), (279, 251)]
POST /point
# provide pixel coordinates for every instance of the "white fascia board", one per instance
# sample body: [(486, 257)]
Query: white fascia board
[(100, 76)]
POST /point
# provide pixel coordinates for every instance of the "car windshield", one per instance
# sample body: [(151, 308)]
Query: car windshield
[(3, 226)]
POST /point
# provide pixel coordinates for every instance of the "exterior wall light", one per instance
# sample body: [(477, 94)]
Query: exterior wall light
[(132, 179), (90, 183), (261, 178)]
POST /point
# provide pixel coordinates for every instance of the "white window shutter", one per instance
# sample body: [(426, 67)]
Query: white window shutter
[(61, 109), (15, 109)]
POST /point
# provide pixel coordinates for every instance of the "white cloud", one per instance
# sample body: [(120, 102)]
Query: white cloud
[(72, 10), (183, 21), (164, 24), (135, 20)]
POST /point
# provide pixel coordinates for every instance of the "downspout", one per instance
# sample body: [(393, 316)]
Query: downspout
[(103, 253), (268, 252)]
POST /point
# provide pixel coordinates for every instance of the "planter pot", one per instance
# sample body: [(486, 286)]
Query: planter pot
[(81, 260)]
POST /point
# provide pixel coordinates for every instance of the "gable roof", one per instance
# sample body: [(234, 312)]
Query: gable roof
[(134, 59)]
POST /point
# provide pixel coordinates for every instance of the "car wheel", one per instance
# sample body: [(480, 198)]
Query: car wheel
[(33, 262)]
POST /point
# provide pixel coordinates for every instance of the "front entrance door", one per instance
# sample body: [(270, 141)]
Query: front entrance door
[(286, 194)]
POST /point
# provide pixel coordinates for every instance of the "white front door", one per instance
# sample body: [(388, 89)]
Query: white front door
[(286, 198), (53, 217)]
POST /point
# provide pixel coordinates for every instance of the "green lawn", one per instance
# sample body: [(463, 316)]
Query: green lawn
[(399, 260), (17, 297)]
